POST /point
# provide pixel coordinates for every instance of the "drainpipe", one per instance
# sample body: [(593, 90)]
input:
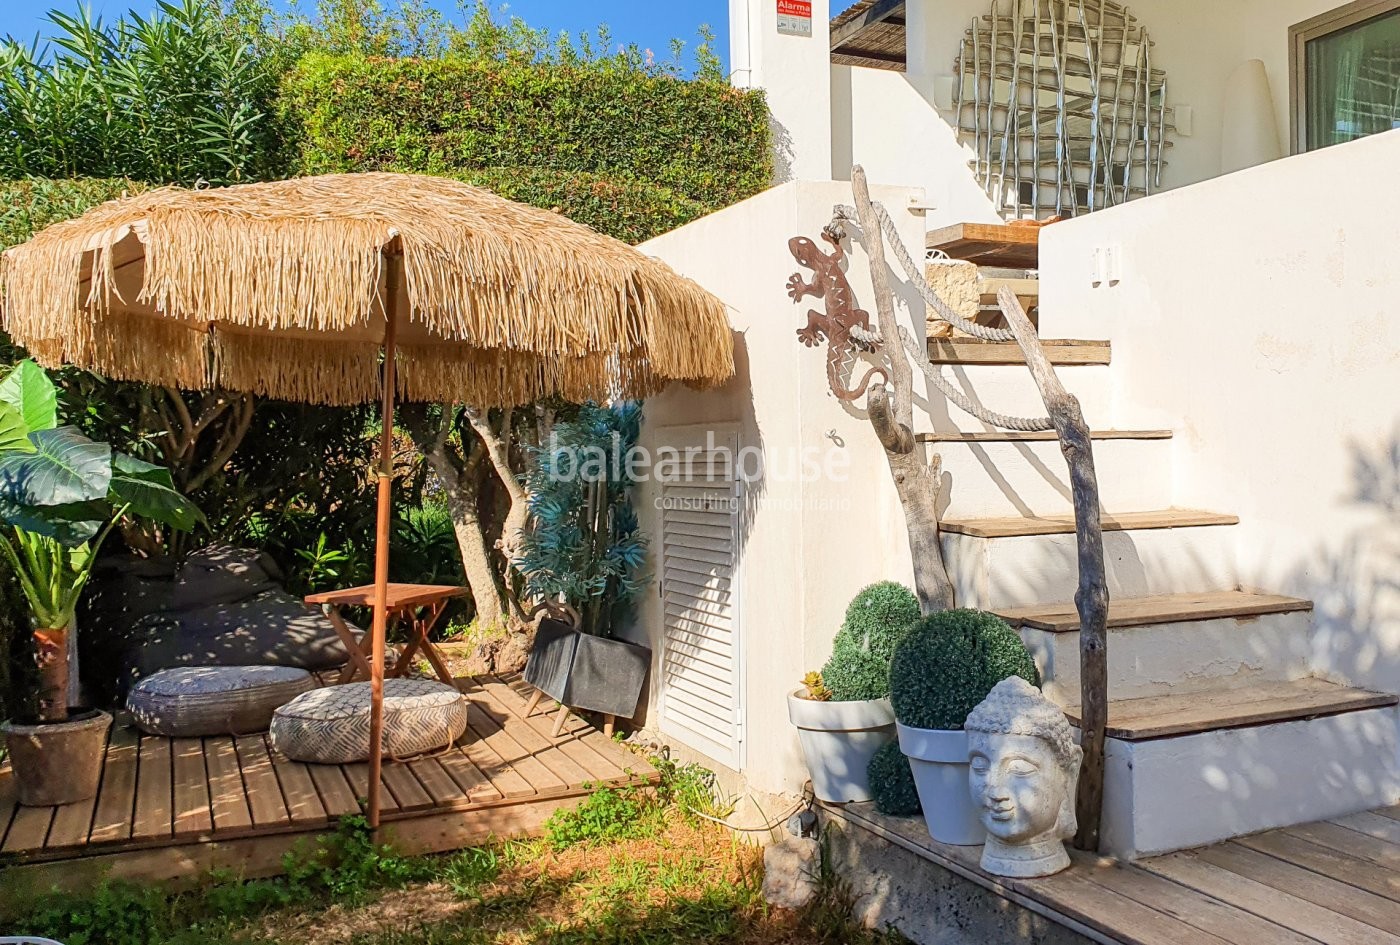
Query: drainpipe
[(740, 47)]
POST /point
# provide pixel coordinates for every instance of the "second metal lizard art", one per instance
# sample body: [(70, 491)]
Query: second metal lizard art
[(835, 324)]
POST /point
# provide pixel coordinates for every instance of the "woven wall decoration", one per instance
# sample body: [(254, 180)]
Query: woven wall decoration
[(1061, 102)]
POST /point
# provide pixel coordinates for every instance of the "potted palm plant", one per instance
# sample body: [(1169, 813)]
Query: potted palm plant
[(941, 672), (843, 714), (61, 494), (584, 560)]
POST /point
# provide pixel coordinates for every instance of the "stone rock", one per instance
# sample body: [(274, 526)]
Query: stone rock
[(790, 871)]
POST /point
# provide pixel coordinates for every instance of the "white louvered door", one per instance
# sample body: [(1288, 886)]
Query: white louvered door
[(701, 664)]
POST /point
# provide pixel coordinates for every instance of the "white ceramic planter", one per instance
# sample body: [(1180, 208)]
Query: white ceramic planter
[(938, 759), (838, 740)]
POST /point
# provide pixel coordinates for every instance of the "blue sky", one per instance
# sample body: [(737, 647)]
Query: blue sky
[(648, 23)]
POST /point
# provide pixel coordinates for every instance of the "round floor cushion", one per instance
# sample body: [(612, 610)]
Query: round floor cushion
[(331, 726), (214, 700)]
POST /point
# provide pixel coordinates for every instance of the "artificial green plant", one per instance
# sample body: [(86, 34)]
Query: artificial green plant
[(949, 663), (582, 554), (62, 494), (859, 669)]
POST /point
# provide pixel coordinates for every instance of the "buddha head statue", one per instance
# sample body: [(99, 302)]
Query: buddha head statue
[(1024, 770)]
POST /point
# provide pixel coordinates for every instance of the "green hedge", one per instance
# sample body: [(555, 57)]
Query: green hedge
[(627, 209), (631, 154), (30, 204)]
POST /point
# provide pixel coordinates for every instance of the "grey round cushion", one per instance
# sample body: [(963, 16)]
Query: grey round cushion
[(331, 726), (214, 700)]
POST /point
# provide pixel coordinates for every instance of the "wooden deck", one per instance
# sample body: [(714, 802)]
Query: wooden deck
[(168, 807), (1330, 883)]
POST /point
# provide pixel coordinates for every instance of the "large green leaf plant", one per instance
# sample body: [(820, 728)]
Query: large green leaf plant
[(62, 494)]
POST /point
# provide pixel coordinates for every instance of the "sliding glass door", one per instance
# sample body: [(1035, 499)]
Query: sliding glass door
[(1346, 74)]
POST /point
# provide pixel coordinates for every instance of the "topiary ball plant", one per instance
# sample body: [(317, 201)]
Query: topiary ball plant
[(948, 664), (892, 783), (877, 619)]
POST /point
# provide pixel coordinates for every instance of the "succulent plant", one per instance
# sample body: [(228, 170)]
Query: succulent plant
[(892, 783), (948, 664), (876, 620), (815, 689)]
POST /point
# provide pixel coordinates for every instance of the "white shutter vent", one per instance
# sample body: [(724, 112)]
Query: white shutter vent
[(700, 660)]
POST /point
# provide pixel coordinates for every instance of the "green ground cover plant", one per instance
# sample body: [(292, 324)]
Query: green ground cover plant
[(669, 878)]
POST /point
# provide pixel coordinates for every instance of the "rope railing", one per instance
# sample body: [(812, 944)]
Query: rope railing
[(935, 377), (842, 214), (1067, 420)]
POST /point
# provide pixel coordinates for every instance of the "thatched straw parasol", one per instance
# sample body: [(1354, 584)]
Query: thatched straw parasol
[(295, 289)]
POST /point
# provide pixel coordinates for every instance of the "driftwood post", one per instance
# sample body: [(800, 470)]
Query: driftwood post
[(1091, 599), (915, 481)]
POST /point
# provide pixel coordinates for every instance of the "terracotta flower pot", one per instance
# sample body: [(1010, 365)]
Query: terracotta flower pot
[(58, 762)]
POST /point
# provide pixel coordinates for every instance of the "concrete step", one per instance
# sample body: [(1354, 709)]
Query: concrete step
[(1021, 476), (1173, 643), (1009, 389), (1022, 561), (1191, 769)]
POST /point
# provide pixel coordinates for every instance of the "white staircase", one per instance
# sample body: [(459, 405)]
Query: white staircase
[(1217, 725)]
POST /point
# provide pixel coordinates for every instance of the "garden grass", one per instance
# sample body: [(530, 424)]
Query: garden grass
[(628, 866)]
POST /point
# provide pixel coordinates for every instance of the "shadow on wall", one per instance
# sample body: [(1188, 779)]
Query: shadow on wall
[(783, 150), (1355, 584)]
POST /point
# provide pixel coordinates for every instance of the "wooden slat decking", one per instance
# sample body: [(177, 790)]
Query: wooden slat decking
[(1330, 883), (169, 793)]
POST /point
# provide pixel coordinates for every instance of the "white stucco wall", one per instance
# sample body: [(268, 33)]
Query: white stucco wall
[(1256, 317), (807, 547), (887, 120), (793, 72)]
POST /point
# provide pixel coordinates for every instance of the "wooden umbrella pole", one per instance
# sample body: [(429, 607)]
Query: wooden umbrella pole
[(379, 628)]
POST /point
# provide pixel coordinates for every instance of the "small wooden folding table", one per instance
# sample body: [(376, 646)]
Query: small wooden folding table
[(420, 605)]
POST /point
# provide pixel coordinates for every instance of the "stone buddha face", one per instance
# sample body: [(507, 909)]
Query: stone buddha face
[(1024, 767)]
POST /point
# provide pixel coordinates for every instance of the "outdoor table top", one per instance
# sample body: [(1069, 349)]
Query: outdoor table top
[(989, 244), (400, 595)]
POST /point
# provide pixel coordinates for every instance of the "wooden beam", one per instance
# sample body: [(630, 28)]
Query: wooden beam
[(884, 10), (870, 55)]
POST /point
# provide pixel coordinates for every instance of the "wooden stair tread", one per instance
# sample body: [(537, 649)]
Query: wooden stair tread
[(1017, 526), (989, 244), (1018, 436), (1162, 608), (1238, 707), (1062, 352)]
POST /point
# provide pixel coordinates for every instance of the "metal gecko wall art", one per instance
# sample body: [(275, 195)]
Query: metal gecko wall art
[(833, 325), (1062, 105)]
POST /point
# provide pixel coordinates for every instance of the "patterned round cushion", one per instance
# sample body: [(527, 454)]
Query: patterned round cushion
[(214, 700), (331, 726)]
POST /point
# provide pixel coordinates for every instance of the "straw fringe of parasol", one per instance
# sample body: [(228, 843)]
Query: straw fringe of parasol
[(503, 303)]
